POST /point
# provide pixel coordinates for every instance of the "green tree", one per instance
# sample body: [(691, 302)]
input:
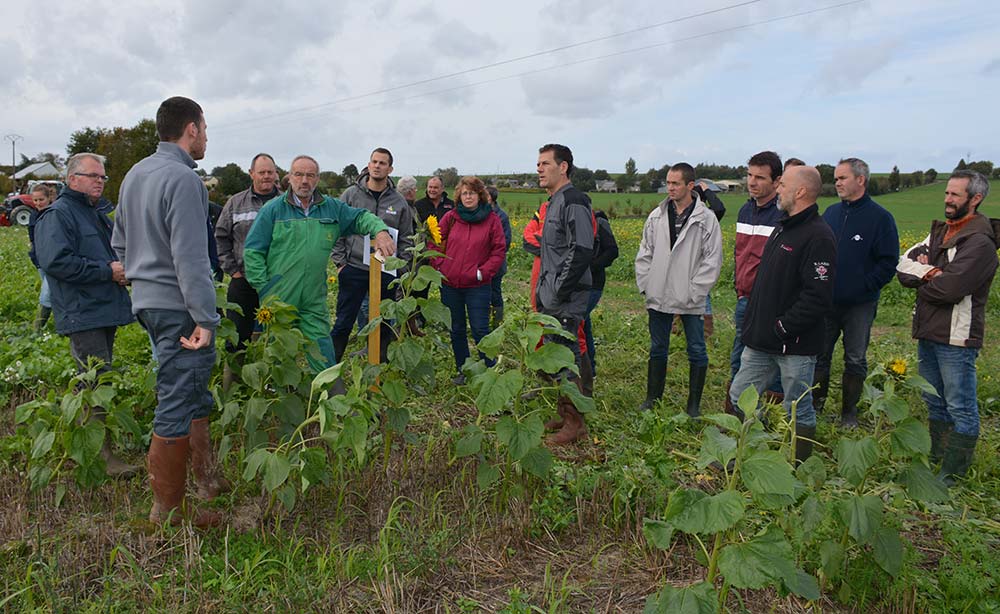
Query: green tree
[(85, 139), (583, 179), (630, 167), (930, 175), (601, 175), (331, 182), (122, 148), (350, 173), (961, 166), (917, 177), (232, 179), (826, 172), (982, 166), (449, 176), (894, 179)]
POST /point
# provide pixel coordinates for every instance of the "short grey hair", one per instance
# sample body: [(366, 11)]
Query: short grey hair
[(303, 157), (438, 177), (978, 184), (859, 168), (74, 162), (406, 184)]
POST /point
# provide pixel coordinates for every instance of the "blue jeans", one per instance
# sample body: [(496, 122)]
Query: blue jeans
[(182, 378), (659, 335), (855, 322), (44, 294), (952, 372), (588, 332), (708, 304), (758, 369), (737, 353), (475, 301)]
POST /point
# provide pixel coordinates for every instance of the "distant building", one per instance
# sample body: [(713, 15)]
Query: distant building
[(731, 185), (38, 169), (210, 182), (606, 185)]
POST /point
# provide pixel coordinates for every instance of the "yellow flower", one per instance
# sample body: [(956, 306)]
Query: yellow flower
[(434, 229), (265, 315), (896, 368), (331, 279)]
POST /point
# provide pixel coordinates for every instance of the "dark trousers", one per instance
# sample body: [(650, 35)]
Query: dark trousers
[(243, 294), (659, 334), (97, 343), (588, 329), (475, 302), (352, 288), (182, 378), (496, 293), (855, 323)]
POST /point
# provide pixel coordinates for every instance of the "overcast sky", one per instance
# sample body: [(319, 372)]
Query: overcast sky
[(906, 82)]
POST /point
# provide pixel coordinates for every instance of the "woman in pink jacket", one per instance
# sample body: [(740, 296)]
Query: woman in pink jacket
[(474, 246)]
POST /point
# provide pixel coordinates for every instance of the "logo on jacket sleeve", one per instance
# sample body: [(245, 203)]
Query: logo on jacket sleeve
[(856, 238), (822, 270)]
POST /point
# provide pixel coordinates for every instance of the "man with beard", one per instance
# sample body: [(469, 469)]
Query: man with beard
[(792, 293), (952, 269)]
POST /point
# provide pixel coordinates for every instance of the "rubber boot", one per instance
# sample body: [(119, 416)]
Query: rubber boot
[(821, 383), (731, 409), (656, 379), (167, 463), (851, 387), (208, 479), (42, 317), (804, 437), (340, 346), (556, 423), (573, 426), (940, 432), (696, 385), (709, 323), (114, 466), (586, 377), (957, 457)]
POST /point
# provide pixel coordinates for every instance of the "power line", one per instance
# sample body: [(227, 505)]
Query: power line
[(466, 71), (324, 111)]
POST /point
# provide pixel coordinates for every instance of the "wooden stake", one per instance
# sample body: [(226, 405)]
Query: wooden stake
[(374, 298)]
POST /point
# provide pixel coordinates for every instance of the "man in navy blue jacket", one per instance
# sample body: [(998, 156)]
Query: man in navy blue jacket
[(87, 282), (867, 254)]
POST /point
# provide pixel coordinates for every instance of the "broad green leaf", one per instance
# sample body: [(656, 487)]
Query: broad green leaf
[(550, 358), (855, 458), (762, 561), (397, 418), (887, 550), (394, 391), (537, 462), (813, 514), (910, 437), (354, 436), (24, 411), (85, 443), (812, 472), (70, 406), (486, 474), (698, 598), (862, 515), (896, 408), (471, 441), (923, 485), (256, 407), (491, 343), (406, 354), (253, 462), (253, 374), (434, 311), (581, 402), (225, 445), (102, 396), (38, 477), (42, 444), (427, 275), (658, 533), (497, 390), (766, 472), (289, 409), (710, 514), (921, 384), (831, 556), (60, 493), (124, 418), (287, 374), (749, 400), (276, 470), (324, 378), (802, 584), (313, 467), (528, 337), (716, 447), (520, 436), (730, 423), (550, 325), (286, 494), (230, 411)]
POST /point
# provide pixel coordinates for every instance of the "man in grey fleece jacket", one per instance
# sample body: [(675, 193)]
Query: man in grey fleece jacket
[(160, 237)]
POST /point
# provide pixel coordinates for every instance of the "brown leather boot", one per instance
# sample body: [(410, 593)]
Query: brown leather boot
[(573, 426), (556, 423), (208, 479), (167, 461)]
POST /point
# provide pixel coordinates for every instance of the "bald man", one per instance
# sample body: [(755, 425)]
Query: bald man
[(792, 294)]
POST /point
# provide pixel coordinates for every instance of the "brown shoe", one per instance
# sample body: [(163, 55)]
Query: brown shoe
[(573, 426), (167, 461), (208, 478)]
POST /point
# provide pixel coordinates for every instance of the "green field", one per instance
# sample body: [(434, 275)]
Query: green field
[(407, 523)]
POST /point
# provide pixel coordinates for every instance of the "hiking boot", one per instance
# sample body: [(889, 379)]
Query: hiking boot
[(656, 379), (208, 479), (696, 385), (573, 427), (957, 457), (940, 432), (167, 463)]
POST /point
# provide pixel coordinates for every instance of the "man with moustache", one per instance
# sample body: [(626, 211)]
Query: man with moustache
[(952, 269), (791, 294)]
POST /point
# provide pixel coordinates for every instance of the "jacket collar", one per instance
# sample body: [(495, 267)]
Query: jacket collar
[(362, 183), (802, 216), (289, 198), (80, 198), (979, 224), (864, 200), (174, 150)]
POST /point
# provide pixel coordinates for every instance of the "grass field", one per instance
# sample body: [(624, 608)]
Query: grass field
[(410, 531)]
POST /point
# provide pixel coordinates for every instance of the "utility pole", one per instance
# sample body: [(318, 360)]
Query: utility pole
[(13, 138)]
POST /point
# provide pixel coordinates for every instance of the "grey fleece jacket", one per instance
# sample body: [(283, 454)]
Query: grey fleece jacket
[(160, 236), (391, 208)]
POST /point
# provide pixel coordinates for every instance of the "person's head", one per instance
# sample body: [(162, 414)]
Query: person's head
[(380, 164), (793, 162), (851, 178), (407, 186), (435, 187), (303, 176), (263, 173), (41, 196), (85, 173), (494, 194), (680, 182), (965, 190), (763, 173), (471, 192), (555, 165), (798, 188), (180, 120)]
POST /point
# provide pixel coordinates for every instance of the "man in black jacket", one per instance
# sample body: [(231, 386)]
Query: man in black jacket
[(435, 203), (605, 253), (792, 294)]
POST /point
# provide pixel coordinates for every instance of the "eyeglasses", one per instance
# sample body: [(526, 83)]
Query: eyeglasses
[(92, 176), (300, 175)]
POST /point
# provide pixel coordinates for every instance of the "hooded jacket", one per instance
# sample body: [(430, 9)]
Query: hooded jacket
[(567, 248), (470, 247), (76, 257), (676, 279), (390, 207), (867, 249), (951, 306)]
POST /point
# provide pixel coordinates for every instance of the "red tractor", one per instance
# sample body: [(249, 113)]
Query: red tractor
[(17, 209)]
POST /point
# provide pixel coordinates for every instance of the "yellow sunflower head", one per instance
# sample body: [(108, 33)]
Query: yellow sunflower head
[(896, 368), (265, 315), (434, 229), (331, 279)]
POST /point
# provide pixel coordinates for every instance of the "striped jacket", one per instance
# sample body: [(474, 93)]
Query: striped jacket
[(753, 227), (951, 306), (233, 226)]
